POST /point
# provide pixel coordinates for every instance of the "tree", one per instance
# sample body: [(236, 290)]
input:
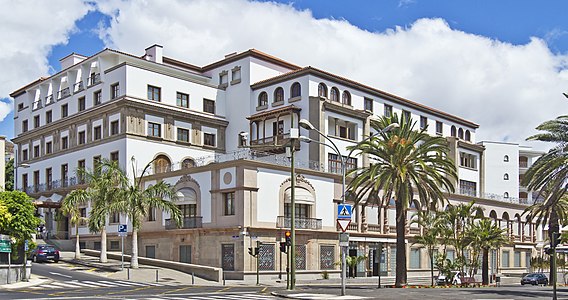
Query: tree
[(551, 213), (71, 207), (19, 219), (104, 186), (486, 235), (429, 222), (404, 163), (9, 182), (136, 201)]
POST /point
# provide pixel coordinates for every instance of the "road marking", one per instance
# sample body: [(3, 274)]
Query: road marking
[(91, 270), (263, 290), (131, 283), (225, 289), (98, 283), (177, 290), (115, 283), (59, 274)]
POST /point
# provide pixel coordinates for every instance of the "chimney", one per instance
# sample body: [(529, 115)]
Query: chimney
[(71, 60), (154, 53)]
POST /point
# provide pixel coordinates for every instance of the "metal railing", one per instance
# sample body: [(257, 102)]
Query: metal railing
[(300, 223), (63, 93), (272, 140), (94, 79), (49, 99), (77, 87), (188, 222), (52, 185)]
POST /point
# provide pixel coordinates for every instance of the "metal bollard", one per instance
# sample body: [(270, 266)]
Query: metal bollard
[(223, 277), (128, 274), (192, 278), (156, 275)]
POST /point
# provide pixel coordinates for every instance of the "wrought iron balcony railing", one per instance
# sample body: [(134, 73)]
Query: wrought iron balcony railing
[(94, 79), (300, 223), (188, 222)]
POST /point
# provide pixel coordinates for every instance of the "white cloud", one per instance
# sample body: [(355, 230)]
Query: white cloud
[(507, 89), (29, 30)]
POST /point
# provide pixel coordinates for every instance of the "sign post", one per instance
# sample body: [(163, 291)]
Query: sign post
[(122, 231), (344, 211)]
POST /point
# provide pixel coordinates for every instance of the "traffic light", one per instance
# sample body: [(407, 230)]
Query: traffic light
[(288, 235), (550, 251), (556, 238), (283, 247), (253, 251)]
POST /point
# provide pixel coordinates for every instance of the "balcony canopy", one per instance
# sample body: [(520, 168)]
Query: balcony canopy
[(186, 196), (302, 196)]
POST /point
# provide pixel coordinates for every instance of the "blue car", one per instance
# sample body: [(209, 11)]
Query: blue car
[(44, 253), (534, 279)]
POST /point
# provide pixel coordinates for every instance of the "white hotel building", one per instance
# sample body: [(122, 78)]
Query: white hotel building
[(187, 119)]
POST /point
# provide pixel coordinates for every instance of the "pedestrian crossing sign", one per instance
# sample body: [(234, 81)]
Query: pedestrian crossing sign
[(344, 211)]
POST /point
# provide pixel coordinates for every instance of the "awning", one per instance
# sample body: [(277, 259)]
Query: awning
[(302, 196), (524, 247), (372, 239)]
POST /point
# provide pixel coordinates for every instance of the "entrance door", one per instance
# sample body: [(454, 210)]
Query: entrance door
[(352, 270), (185, 253)]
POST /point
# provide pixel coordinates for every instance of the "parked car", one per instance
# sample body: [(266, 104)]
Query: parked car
[(534, 279), (44, 253), (442, 280)]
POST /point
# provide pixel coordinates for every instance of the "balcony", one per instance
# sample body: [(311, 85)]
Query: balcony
[(188, 223), (49, 99), (63, 93), (299, 222), (77, 87), (37, 105), (94, 79), (52, 185)]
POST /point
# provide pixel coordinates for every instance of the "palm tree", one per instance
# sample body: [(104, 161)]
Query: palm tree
[(486, 235), (429, 222), (104, 185), (70, 206), (551, 213), (405, 163), (136, 201)]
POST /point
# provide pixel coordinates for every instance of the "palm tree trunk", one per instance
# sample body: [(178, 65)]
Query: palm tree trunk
[(134, 258), (103, 257), (553, 226), (400, 280), (77, 245), (485, 267)]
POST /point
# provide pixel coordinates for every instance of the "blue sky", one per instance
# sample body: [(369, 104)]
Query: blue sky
[(491, 62)]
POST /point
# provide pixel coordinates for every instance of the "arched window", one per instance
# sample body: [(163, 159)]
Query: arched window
[(506, 195), (460, 133), (162, 164), (334, 94), (187, 202), (453, 131), (263, 99), (279, 95), (322, 90), (346, 98), (506, 158), (187, 163), (506, 176), (468, 136), (296, 90)]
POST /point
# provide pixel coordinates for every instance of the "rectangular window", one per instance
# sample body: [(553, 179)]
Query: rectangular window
[(114, 127), (327, 257), (154, 93), (209, 106), (24, 125), (406, 115), (36, 151), (81, 166), (48, 148), (388, 110), (114, 218), (25, 154), (266, 257), (188, 210), (114, 90), (96, 162), (183, 135), (468, 160), (48, 177), (150, 251), (439, 128), (154, 129), (82, 104), (517, 259), (64, 142), (64, 173), (36, 121), (229, 204), (278, 128), (114, 156), (423, 122), (468, 188), (152, 214), (182, 100), (36, 180), (97, 133), (64, 110), (209, 139), (505, 259), (114, 245), (97, 98), (334, 163), (415, 258), (48, 117), (301, 211), (368, 104), (81, 137), (236, 75), (25, 181), (185, 254)]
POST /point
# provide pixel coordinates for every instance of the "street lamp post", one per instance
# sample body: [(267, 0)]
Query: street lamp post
[(307, 125), (15, 188)]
